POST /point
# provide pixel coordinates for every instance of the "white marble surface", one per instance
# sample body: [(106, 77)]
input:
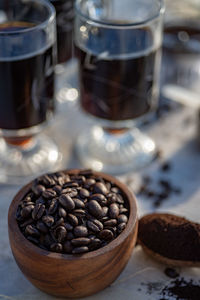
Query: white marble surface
[(174, 135)]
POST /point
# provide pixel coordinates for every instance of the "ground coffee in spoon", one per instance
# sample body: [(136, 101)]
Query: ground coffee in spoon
[(171, 236)]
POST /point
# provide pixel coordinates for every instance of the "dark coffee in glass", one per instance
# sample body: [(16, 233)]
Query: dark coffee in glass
[(64, 22), (26, 84), (115, 86)]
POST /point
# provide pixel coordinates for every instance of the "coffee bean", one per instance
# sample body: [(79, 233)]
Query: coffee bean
[(95, 208), (57, 189), (95, 225), (62, 213), (60, 233), (80, 231), (79, 250), (26, 211), (89, 183), (79, 212), (112, 198), (53, 206), (123, 210), (100, 188), (106, 234), (122, 219), (46, 180), (56, 247), (32, 230), (27, 222), (172, 273), (58, 223), (33, 240), (113, 211), (68, 226), (69, 236), (38, 189), (110, 223), (73, 220), (67, 247), (82, 241), (121, 227), (49, 194), (70, 184), (48, 240), (38, 211), (48, 220), (105, 211), (73, 193), (40, 200), (115, 190), (120, 199), (84, 193), (67, 202), (78, 203), (100, 198), (42, 227), (94, 244)]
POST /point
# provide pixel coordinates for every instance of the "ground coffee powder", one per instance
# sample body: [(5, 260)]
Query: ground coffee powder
[(171, 236)]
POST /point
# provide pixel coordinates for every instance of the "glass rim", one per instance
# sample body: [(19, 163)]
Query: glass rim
[(43, 24), (111, 24)]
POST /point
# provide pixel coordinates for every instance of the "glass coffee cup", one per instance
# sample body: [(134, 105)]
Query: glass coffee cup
[(118, 46), (27, 60)]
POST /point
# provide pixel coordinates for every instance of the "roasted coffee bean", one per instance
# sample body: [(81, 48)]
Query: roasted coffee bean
[(38, 211), (79, 212), (106, 234), (112, 198), (89, 183), (38, 189), (32, 230), (80, 231), (67, 247), (108, 185), (40, 200), (56, 247), (100, 188), (122, 219), (62, 212), (110, 223), (79, 250), (82, 241), (123, 210), (27, 222), (95, 208), (115, 190), (68, 226), (28, 198), (95, 225), (46, 180), (48, 220), (78, 203), (42, 227), (48, 240), (69, 236), (113, 211), (26, 211), (100, 198), (84, 193), (70, 184), (67, 202), (95, 244), (105, 211), (73, 220), (57, 189), (58, 223), (120, 199), (53, 206), (121, 227), (73, 193), (79, 179), (60, 233), (49, 194)]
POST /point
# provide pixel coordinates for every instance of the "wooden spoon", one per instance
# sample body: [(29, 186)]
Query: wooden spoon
[(149, 221)]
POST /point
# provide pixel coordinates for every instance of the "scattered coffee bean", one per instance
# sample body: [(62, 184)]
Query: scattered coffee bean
[(72, 214), (172, 273)]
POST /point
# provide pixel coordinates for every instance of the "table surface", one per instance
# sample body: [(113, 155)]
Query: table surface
[(142, 278)]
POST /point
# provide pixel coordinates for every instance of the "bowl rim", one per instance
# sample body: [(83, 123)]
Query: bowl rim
[(132, 221)]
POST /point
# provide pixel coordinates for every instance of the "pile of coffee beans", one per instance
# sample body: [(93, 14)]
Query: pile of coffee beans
[(72, 213)]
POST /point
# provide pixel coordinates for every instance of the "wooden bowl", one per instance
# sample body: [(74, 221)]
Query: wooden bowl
[(73, 276)]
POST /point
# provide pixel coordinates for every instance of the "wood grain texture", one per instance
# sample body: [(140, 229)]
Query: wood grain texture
[(69, 275)]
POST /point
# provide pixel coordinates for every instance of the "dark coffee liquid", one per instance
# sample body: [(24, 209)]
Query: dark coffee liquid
[(64, 21), (26, 86), (118, 87)]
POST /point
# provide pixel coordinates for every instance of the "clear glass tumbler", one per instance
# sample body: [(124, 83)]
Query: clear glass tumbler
[(118, 46), (27, 59)]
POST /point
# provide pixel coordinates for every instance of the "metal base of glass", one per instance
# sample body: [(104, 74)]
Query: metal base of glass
[(115, 153), (20, 164)]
